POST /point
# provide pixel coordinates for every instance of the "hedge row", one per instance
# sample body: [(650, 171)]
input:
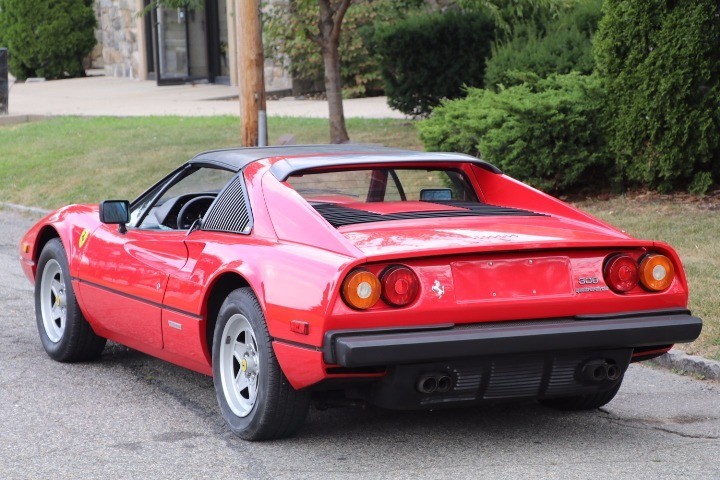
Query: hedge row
[(427, 58), (547, 132), (660, 62), (648, 116)]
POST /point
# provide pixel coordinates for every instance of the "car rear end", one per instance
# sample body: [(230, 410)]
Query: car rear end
[(470, 287), (507, 325)]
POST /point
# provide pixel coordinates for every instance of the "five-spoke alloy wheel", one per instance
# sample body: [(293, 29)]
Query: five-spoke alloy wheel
[(254, 396), (64, 332), (239, 365), (53, 301)]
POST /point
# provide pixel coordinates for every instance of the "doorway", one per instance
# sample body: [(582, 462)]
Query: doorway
[(189, 45)]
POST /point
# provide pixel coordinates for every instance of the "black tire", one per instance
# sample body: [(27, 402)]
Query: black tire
[(583, 402), (76, 341), (278, 410)]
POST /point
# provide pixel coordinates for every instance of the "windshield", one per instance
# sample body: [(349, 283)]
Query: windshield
[(384, 185)]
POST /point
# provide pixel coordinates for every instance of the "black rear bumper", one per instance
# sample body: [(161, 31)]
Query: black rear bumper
[(368, 348)]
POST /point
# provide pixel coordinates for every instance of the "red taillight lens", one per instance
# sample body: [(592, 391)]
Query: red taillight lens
[(400, 286), (621, 273)]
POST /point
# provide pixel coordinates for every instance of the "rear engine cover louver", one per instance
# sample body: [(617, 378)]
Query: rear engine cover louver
[(339, 215)]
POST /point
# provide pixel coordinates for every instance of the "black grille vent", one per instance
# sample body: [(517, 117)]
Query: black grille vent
[(230, 212), (339, 216)]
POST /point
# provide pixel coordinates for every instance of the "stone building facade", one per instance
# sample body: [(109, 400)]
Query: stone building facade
[(129, 47), (118, 29)]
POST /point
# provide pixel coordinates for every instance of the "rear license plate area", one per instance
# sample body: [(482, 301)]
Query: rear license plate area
[(511, 278)]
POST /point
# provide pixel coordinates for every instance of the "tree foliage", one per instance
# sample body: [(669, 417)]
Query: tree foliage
[(47, 38), (561, 46), (507, 14), (547, 132), (660, 62), (431, 57), (290, 31)]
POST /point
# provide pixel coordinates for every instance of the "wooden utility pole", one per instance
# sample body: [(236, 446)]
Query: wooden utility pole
[(251, 78)]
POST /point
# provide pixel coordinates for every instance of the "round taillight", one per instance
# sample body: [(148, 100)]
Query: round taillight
[(400, 286), (621, 273), (361, 289), (656, 272)]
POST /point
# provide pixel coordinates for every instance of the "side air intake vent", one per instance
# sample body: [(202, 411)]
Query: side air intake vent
[(339, 216), (230, 212)]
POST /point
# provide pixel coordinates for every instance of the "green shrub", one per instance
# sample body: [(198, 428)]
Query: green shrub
[(289, 29), (547, 132), (427, 58), (661, 64), (701, 183), (561, 46), (507, 14), (47, 38)]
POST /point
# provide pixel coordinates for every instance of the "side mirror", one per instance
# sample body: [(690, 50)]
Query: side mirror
[(115, 212), (435, 194)]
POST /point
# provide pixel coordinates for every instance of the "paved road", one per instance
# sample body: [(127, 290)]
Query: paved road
[(131, 416)]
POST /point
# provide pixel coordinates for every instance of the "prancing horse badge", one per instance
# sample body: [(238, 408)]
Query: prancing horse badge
[(438, 288)]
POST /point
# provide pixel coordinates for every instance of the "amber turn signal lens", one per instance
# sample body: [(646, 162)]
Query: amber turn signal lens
[(361, 289), (656, 272), (621, 273), (400, 286)]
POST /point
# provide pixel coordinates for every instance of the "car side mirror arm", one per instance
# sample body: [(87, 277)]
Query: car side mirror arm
[(115, 212)]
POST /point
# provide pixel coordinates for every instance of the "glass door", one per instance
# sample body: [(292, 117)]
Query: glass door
[(180, 45), (172, 44)]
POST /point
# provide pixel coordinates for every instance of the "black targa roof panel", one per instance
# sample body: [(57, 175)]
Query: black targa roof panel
[(313, 156), (287, 167)]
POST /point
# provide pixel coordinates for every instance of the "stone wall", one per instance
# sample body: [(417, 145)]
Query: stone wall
[(118, 36), (277, 78), (95, 58)]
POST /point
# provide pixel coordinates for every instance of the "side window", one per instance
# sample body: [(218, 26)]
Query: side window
[(184, 201)]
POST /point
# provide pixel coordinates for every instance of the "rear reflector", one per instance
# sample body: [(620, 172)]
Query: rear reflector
[(298, 326)]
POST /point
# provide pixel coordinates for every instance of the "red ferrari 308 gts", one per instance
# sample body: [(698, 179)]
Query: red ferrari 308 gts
[(402, 279)]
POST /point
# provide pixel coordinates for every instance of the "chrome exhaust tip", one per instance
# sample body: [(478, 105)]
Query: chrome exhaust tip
[(427, 384)]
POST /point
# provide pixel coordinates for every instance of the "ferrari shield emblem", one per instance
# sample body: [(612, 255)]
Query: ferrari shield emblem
[(83, 238)]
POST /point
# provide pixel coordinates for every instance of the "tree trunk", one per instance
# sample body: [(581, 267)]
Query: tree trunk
[(329, 39), (333, 90), (251, 78)]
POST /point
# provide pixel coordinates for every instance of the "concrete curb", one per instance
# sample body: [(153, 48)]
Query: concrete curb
[(13, 119), (24, 209), (692, 364)]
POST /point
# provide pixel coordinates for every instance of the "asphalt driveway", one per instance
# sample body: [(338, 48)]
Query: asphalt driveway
[(132, 416)]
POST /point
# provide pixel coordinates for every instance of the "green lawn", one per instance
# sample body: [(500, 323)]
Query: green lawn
[(74, 160), (71, 160)]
